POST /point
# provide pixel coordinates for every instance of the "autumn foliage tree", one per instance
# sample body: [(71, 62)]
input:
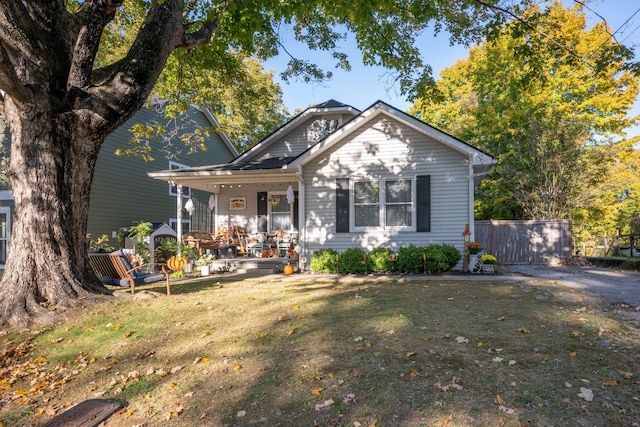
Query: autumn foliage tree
[(61, 102), (547, 96)]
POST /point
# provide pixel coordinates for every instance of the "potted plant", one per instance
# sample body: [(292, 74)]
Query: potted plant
[(204, 264), (474, 248), (488, 261)]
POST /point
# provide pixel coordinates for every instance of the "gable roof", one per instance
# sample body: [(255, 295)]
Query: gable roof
[(330, 106), (247, 168)]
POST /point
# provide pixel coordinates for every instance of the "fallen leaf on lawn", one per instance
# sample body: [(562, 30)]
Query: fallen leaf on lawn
[(296, 307), (497, 359), (128, 334), (506, 410), (250, 298), (411, 353), (499, 399), (580, 310), (358, 339), (291, 331), (576, 334), (317, 391), (447, 420), (176, 369), (241, 414), (502, 318), (368, 344), (427, 337), (116, 326), (479, 344), (609, 383), (89, 330), (205, 359), (625, 374), (462, 340), (573, 354), (414, 374), (206, 332), (586, 394), (512, 362), (170, 385), (568, 384), (262, 335), (4, 384), (236, 367), (523, 330), (324, 404)]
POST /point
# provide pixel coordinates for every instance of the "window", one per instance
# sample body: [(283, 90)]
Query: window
[(393, 207), (280, 212), (186, 224), (366, 203), (399, 203), (173, 191), (5, 231)]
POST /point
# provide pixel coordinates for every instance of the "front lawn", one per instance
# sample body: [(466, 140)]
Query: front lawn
[(322, 351)]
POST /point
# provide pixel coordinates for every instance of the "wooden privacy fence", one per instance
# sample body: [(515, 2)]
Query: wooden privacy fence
[(526, 242)]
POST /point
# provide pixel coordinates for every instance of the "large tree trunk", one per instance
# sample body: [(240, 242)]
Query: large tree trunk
[(50, 172)]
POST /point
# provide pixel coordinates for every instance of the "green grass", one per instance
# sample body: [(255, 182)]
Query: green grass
[(326, 352)]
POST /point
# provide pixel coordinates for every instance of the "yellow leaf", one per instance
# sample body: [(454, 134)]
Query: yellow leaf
[(499, 400), (625, 374), (576, 334), (447, 420), (92, 360), (4, 384), (480, 344), (205, 359), (523, 330), (171, 385), (69, 341), (609, 383), (236, 367), (316, 391), (262, 335), (206, 332), (41, 360), (89, 330), (414, 374), (128, 334), (296, 307), (250, 298), (573, 354), (368, 344), (290, 331), (116, 327), (426, 337), (330, 376)]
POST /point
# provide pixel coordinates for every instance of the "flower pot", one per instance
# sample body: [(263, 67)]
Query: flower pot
[(204, 270), (488, 268)]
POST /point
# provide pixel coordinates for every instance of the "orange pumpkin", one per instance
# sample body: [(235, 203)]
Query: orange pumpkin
[(288, 269), (177, 263), (265, 254)]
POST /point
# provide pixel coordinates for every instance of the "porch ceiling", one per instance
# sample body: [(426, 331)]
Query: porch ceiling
[(211, 181)]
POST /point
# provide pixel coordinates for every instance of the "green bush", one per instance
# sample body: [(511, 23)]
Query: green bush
[(324, 261), (410, 260), (354, 260), (441, 258), (380, 260)]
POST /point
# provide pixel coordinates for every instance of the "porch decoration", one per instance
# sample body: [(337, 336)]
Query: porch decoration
[(488, 261), (288, 269), (291, 195), (189, 207), (177, 263), (474, 248)]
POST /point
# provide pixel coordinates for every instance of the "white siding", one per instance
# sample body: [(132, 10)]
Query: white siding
[(299, 139), (387, 149)]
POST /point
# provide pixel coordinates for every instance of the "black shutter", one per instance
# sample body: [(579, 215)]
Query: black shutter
[(342, 205), (262, 212), (296, 214), (423, 203)]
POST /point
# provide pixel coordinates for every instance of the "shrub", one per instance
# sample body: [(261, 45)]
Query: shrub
[(354, 260), (324, 261), (441, 257), (410, 259), (380, 260)]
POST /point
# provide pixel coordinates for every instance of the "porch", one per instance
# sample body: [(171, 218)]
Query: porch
[(251, 265)]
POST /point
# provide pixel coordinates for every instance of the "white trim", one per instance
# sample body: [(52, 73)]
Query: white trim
[(172, 185)]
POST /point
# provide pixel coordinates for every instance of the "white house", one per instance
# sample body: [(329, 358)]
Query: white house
[(338, 178)]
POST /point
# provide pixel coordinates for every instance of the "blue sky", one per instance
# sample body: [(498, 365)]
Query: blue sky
[(362, 86)]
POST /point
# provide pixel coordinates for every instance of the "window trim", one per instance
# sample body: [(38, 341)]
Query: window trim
[(382, 204), (270, 213), (186, 191), (173, 223), (8, 211)]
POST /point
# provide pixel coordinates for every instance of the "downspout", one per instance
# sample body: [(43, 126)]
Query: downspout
[(302, 228), (472, 189)]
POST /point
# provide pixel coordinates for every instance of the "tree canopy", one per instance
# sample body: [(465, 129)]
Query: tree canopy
[(549, 97)]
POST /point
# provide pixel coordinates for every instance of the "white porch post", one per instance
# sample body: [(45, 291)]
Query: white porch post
[(179, 219)]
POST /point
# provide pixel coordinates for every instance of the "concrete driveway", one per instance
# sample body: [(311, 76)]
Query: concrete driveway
[(615, 286)]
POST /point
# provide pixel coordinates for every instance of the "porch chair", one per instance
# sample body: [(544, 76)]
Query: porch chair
[(113, 268)]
